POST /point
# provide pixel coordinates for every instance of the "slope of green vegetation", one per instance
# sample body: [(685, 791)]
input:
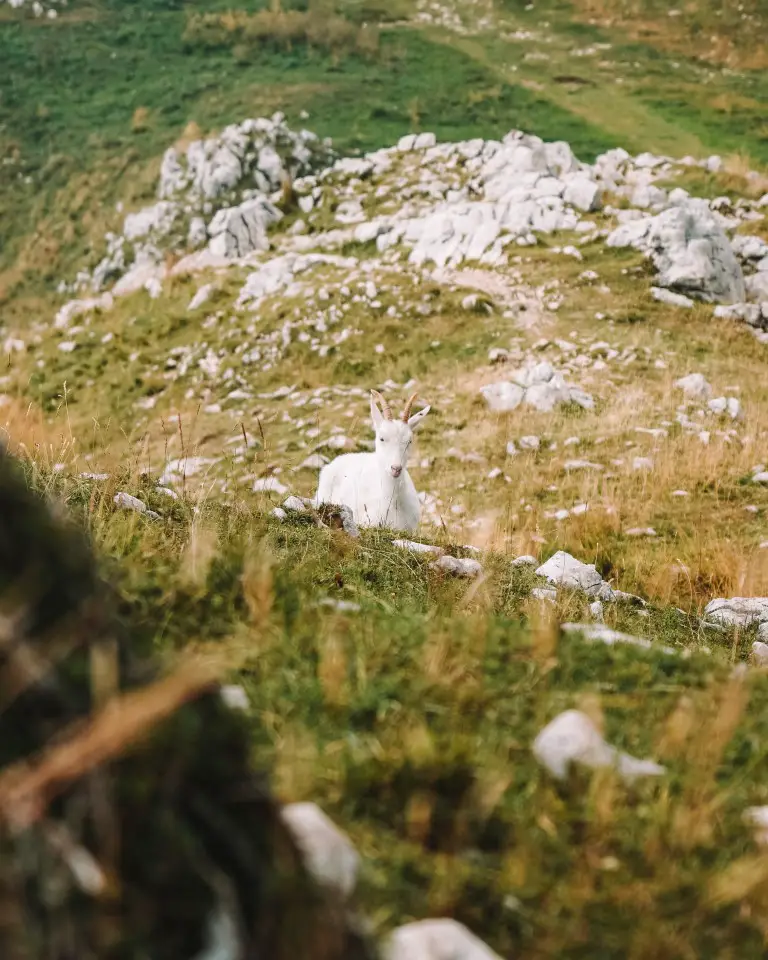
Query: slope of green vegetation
[(411, 722)]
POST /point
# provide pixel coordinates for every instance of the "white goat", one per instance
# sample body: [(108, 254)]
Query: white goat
[(376, 486)]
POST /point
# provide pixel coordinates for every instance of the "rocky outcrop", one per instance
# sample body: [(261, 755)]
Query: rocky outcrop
[(690, 251), (537, 386)]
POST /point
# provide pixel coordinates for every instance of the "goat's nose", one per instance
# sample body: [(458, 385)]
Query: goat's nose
[(396, 471)]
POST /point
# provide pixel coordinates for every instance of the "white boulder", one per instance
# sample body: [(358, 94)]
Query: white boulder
[(442, 939), (690, 251), (563, 570), (237, 231), (694, 385), (737, 611), (458, 566), (572, 737)]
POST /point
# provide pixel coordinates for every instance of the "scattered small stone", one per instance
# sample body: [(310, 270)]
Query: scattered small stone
[(610, 637), (640, 532), (582, 465), (673, 299), (341, 606), (758, 817), (563, 570), (546, 594), (269, 485)]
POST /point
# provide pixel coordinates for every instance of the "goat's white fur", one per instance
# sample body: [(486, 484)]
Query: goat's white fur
[(376, 486)]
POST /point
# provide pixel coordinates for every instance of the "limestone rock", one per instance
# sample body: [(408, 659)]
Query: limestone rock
[(600, 633), (441, 939), (458, 566), (737, 611), (237, 231), (757, 817), (328, 852), (760, 650), (572, 737), (537, 386), (563, 570), (425, 549), (690, 251), (694, 385), (671, 298)]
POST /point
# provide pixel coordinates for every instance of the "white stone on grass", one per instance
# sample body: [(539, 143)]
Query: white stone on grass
[(420, 548), (694, 385), (269, 485), (442, 939), (458, 566), (235, 697), (328, 853), (544, 594), (602, 634), (737, 611), (668, 297), (127, 502), (757, 817), (689, 249), (760, 650), (563, 570), (573, 738), (526, 560)]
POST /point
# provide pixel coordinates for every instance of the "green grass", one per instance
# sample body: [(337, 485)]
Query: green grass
[(411, 723)]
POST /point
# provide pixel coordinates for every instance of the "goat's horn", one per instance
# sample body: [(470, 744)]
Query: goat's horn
[(384, 405), (407, 407)]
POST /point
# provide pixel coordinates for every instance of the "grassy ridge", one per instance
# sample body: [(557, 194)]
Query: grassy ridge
[(67, 115)]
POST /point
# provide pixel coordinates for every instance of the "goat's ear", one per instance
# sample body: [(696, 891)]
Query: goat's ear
[(376, 415), (416, 419)]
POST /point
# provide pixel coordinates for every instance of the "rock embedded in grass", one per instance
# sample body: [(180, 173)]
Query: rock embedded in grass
[(737, 611), (689, 249), (329, 854), (760, 649), (458, 566), (564, 570), (573, 738), (426, 549), (441, 939), (127, 502)]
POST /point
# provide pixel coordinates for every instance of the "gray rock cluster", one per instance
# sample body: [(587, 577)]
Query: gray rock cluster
[(217, 193), (537, 386), (689, 249)]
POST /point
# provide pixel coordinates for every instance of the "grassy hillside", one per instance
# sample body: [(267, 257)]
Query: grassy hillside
[(409, 713), (401, 699), (93, 97)]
